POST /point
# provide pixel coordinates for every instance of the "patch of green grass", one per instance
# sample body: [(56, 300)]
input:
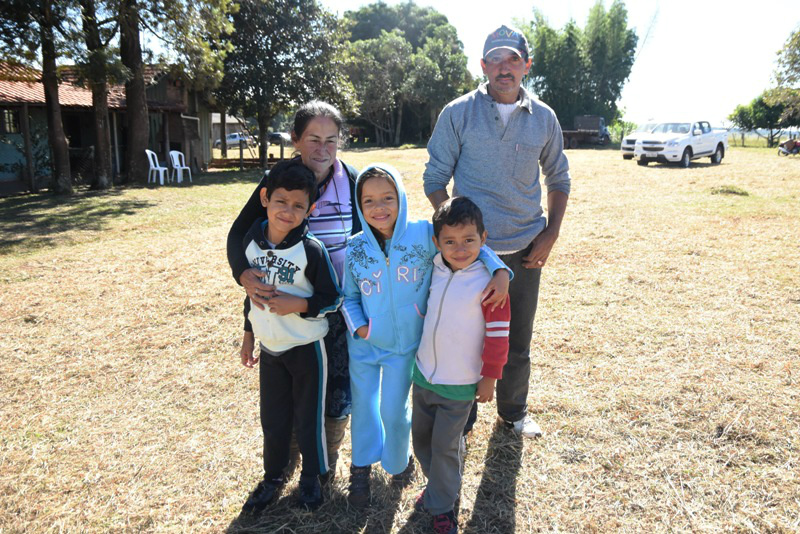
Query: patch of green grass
[(729, 190)]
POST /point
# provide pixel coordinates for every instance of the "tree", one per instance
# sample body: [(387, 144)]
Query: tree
[(192, 31), (742, 118), (439, 73), (787, 76), (284, 52), (558, 72), (378, 72), (416, 23), (759, 115), (406, 64), (28, 27), (578, 72), (130, 48), (96, 66)]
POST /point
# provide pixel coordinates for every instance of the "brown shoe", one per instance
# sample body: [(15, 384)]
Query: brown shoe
[(359, 493)]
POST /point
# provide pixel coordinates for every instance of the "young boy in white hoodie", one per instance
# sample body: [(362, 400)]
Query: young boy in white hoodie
[(460, 358)]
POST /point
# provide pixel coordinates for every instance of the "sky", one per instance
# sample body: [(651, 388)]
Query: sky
[(696, 59)]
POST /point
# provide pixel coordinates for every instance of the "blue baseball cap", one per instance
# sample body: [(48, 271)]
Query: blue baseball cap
[(509, 38)]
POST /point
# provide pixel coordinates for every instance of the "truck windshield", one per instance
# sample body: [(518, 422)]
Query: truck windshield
[(673, 127)]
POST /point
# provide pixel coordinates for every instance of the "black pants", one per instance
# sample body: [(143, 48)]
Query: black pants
[(512, 389), (292, 388)]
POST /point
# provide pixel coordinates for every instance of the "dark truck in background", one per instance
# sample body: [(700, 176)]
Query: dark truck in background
[(588, 129)]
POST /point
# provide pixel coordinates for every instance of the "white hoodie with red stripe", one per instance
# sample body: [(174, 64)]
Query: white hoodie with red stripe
[(462, 341)]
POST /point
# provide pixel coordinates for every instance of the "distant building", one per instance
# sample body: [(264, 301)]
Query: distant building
[(180, 119)]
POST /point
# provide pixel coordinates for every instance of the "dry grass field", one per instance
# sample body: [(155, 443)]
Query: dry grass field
[(666, 363)]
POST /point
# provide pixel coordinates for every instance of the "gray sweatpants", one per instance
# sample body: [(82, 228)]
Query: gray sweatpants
[(437, 424)]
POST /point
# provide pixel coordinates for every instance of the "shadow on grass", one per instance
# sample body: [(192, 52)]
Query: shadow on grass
[(677, 167), (495, 502), (335, 516), (37, 220)]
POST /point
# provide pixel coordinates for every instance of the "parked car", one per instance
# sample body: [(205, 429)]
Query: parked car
[(280, 138), (232, 140), (629, 141), (681, 142)]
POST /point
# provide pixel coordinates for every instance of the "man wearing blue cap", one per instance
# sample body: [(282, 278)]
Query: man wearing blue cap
[(491, 142)]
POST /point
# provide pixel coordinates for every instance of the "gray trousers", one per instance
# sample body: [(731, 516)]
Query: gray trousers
[(436, 428), (512, 389)]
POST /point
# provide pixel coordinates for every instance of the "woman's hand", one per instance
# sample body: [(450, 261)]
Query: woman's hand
[(248, 347), (495, 293), (284, 304), (258, 291)]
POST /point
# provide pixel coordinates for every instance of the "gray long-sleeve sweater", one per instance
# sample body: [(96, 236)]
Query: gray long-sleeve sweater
[(497, 167)]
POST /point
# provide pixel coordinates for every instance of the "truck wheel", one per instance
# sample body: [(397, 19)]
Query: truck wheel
[(605, 140), (642, 162), (573, 143), (719, 153), (686, 159)]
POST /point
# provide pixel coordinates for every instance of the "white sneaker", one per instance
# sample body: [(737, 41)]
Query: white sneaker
[(525, 427)]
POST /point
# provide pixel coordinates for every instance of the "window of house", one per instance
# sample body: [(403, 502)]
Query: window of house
[(9, 121)]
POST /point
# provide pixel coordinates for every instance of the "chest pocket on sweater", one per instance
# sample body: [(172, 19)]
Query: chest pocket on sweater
[(526, 162)]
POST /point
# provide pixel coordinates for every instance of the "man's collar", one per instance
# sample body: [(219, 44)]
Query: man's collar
[(524, 98)]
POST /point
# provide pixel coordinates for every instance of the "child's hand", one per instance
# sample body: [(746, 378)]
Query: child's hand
[(284, 304), (362, 331), (248, 347), (485, 392), (253, 284), (495, 293)]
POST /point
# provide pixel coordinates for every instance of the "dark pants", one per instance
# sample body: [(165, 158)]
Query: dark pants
[(338, 399), (292, 390), (512, 389)]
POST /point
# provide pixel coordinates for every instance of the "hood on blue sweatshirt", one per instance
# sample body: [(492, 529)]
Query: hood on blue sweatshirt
[(402, 212)]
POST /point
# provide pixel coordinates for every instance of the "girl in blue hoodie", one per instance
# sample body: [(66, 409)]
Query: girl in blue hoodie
[(387, 275)]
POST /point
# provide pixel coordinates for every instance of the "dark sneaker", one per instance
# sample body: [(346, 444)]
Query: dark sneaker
[(310, 492), (445, 523), (262, 496), (359, 495), (419, 504), (404, 479)]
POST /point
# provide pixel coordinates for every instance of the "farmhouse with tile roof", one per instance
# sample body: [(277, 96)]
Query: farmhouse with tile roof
[(179, 120)]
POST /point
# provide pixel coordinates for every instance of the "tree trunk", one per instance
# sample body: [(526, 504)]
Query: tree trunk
[(434, 116), (399, 123), (97, 80), (224, 133), (263, 119), (135, 98), (62, 182)]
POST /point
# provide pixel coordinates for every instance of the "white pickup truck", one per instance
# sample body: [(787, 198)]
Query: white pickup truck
[(629, 141), (681, 142)]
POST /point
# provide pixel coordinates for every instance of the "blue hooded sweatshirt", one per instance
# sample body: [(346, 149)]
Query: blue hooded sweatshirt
[(389, 291)]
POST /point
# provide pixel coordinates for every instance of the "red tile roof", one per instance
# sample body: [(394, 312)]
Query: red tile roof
[(20, 84)]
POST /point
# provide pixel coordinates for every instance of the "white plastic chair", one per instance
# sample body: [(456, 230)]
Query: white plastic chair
[(155, 168), (179, 165)]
